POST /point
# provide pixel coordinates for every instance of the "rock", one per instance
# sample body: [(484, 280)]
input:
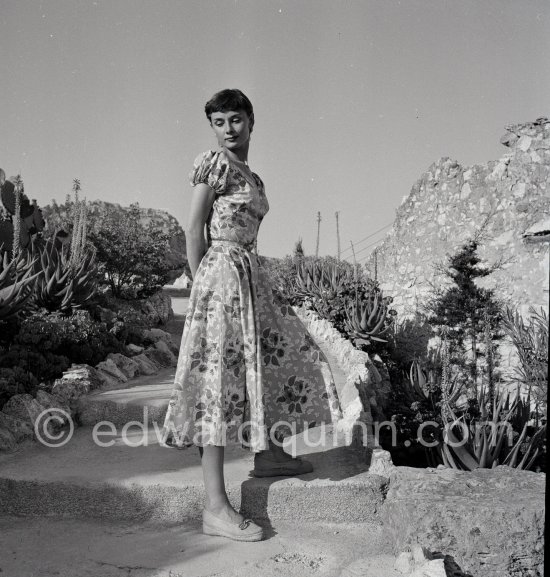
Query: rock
[(7, 440), (163, 347), (70, 389), (110, 368), (421, 554), (155, 335), (85, 372), (21, 429), (146, 366), (404, 562), (181, 282), (126, 365), (158, 309), (490, 520), (381, 463), (60, 409), (434, 568), (134, 349), (162, 358), (24, 407)]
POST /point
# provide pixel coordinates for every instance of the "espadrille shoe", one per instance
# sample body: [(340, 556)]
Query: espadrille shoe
[(247, 530)]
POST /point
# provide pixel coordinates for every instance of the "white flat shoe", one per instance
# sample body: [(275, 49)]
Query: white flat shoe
[(247, 530)]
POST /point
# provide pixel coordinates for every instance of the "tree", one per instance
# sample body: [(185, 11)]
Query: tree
[(132, 256), (465, 313)]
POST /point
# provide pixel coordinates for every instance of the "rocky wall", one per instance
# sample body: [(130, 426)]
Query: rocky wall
[(509, 198)]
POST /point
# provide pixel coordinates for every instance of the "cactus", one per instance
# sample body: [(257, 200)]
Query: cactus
[(24, 220)]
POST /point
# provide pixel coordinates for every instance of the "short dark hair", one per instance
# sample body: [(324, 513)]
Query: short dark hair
[(226, 100)]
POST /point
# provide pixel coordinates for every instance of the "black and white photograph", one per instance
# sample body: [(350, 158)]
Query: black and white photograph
[(274, 287)]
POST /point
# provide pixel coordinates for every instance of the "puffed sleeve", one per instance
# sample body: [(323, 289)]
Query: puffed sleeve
[(211, 168)]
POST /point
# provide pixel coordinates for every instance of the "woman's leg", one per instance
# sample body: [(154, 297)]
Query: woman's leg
[(217, 501)]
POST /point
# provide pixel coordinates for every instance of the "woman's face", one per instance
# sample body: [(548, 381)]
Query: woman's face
[(232, 128)]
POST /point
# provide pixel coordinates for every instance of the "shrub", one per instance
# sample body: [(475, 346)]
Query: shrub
[(131, 255), (78, 337), (14, 381)]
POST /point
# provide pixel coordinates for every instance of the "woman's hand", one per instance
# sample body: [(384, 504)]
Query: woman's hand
[(202, 200)]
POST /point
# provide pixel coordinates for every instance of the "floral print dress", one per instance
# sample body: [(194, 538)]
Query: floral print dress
[(246, 361)]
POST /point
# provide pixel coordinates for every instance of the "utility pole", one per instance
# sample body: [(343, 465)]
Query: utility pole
[(337, 232), (318, 232)]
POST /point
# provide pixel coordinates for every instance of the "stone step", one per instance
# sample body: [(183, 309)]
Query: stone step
[(147, 482), (144, 399)]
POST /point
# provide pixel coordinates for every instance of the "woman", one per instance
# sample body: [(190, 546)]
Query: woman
[(246, 361)]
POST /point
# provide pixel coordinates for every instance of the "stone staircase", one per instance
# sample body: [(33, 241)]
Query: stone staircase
[(119, 470)]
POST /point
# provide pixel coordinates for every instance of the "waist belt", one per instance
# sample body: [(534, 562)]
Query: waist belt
[(249, 247)]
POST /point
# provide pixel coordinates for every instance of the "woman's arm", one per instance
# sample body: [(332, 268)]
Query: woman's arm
[(201, 203)]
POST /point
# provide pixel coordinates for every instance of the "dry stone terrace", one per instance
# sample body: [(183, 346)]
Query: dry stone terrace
[(453, 512)]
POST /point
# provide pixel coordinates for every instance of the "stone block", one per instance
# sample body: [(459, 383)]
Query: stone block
[(490, 520), (110, 368), (87, 373), (24, 407), (126, 365), (146, 366), (133, 349), (21, 429), (434, 568), (159, 357), (404, 562), (164, 348), (61, 410), (69, 390), (7, 440)]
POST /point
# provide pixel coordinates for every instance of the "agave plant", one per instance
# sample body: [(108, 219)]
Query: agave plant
[(320, 280), (17, 280), (488, 441), (369, 317), (64, 286), (420, 386)]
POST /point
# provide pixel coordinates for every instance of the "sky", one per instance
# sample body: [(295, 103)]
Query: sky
[(353, 99)]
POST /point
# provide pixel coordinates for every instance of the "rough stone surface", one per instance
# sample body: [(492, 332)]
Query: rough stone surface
[(450, 202), (134, 349), (110, 368), (127, 365), (59, 408), (155, 335), (490, 520), (7, 440), (434, 568), (164, 348), (20, 429), (70, 389), (404, 562), (87, 373), (365, 392), (158, 357), (158, 309), (381, 463), (24, 407), (146, 366)]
